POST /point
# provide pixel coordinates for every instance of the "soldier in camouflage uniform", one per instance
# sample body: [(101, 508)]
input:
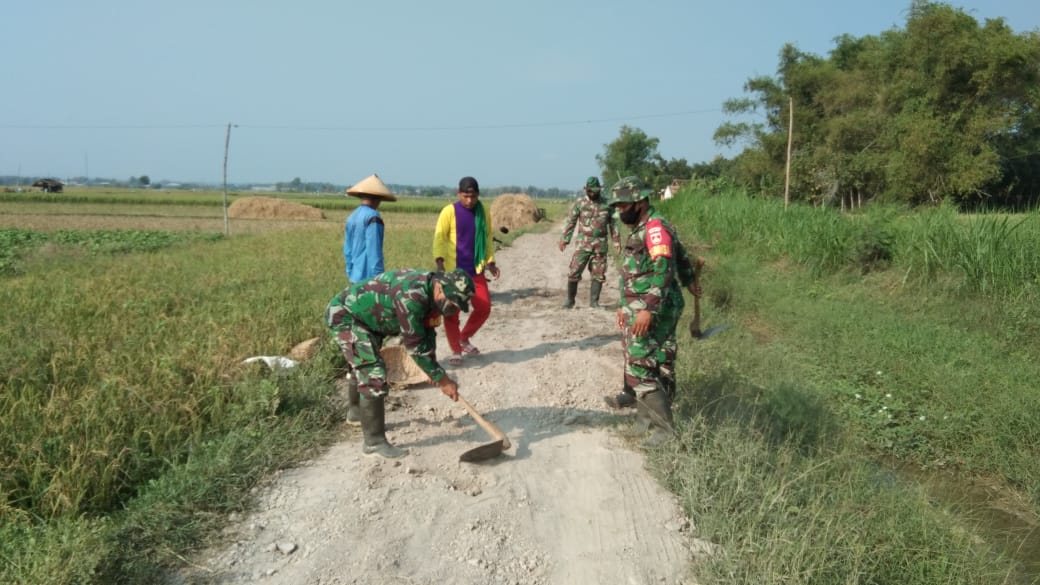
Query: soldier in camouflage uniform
[(594, 220), (409, 303), (653, 266)]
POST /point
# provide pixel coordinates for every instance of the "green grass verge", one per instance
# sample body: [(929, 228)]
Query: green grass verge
[(833, 365)]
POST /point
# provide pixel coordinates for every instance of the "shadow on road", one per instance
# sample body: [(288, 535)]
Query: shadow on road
[(515, 356), (508, 296), (525, 426)]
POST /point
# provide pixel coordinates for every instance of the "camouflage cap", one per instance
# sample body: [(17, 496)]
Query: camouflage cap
[(628, 190), (592, 183), (457, 286)]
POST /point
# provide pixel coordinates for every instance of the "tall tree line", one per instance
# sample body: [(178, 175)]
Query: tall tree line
[(945, 109)]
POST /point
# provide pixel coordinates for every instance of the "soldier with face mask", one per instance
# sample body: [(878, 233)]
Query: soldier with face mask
[(593, 221), (409, 303), (654, 264)]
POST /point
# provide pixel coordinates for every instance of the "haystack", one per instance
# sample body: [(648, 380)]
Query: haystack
[(512, 211), (272, 208), (304, 350)]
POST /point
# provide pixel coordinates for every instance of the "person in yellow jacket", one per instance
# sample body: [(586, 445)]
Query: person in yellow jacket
[(463, 240)]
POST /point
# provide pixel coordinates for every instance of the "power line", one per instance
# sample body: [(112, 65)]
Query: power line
[(107, 126), (484, 126), (363, 128)]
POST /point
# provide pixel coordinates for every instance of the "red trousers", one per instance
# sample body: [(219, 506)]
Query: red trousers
[(479, 309)]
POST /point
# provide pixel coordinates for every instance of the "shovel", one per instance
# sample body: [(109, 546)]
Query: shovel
[(490, 450), (695, 324)]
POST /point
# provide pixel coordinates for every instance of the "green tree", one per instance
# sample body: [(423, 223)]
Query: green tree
[(945, 108), (666, 170), (144, 180), (632, 153)]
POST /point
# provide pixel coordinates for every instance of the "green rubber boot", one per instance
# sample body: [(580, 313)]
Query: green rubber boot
[(373, 430), (595, 287), (353, 402), (572, 291), (659, 409)]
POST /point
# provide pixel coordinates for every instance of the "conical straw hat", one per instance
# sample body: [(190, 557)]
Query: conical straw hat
[(372, 186)]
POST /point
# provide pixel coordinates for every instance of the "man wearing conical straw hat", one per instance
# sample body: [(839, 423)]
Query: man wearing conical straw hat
[(363, 253), (363, 232)]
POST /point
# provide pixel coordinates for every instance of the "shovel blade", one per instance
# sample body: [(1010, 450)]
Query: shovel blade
[(712, 331), (483, 452)]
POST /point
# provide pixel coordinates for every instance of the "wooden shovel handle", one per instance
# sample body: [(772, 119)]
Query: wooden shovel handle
[(488, 426), (695, 325)]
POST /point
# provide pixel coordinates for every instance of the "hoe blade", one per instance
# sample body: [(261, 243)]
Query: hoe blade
[(483, 452)]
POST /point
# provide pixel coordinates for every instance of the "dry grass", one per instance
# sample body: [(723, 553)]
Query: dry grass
[(196, 218), (196, 224)]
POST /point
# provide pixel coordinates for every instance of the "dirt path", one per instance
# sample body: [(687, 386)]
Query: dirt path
[(569, 504)]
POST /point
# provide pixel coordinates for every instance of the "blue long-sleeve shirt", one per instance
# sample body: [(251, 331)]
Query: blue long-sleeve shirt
[(363, 244)]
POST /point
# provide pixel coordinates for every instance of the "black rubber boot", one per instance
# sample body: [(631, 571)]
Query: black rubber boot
[(595, 287), (572, 291), (659, 407), (624, 399), (353, 402), (373, 429)]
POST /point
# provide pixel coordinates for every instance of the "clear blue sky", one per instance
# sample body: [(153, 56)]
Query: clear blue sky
[(422, 92)]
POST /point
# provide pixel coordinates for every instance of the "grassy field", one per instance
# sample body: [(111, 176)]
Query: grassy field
[(874, 393), (130, 425), (869, 358)]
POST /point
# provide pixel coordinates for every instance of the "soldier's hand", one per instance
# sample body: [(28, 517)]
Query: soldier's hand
[(449, 388), (563, 245), (695, 289), (620, 320), (642, 324)]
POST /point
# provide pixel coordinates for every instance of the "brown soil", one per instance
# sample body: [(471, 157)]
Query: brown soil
[(271, 208)]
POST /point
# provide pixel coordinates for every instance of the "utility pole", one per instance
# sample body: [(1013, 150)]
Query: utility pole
[(790, 135), (227, 143)]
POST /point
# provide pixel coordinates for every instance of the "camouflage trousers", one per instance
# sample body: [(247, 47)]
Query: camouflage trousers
[(596, 262), (650, 359), (360, 347)]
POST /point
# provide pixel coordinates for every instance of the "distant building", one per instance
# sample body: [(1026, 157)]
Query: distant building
[(49, 185), (673, 188), (264, 188)]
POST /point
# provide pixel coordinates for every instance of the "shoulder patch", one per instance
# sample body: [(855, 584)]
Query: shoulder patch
[(658, 240)]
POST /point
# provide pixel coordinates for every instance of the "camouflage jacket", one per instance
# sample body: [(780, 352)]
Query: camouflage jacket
[(654, 265), (399, 303), (594, 220)]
